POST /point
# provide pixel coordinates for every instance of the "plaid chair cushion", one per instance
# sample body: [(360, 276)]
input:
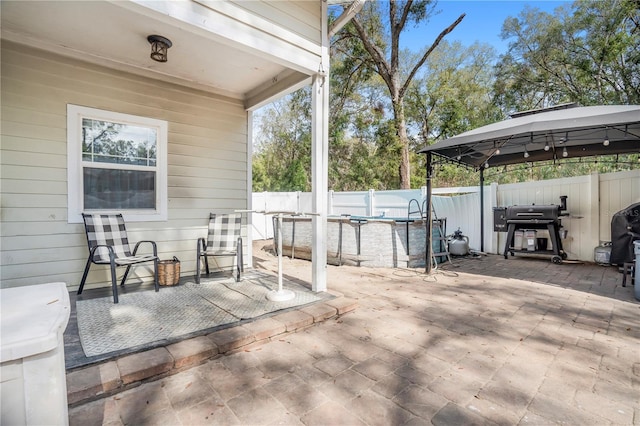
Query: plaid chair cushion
[(108, 229), (224, 231)]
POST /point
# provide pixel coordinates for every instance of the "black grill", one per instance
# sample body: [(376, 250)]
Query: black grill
[(533, 217)]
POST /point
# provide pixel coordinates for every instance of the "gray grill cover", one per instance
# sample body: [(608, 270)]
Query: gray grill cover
[(625, 229)]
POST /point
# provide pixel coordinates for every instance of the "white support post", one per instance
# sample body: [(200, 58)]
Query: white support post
[(320, 163), (248, 259)]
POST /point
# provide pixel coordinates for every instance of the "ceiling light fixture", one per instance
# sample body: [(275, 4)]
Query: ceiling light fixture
[(159, 47), (565, 154), (605, 142), (526, 153), (546, 144)]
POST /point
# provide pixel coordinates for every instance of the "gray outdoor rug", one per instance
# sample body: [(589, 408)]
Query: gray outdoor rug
[(145, 317)]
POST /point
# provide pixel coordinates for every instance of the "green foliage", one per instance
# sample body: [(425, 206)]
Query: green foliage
[(260, 178), (588, 52), (563, 168), (295, 177), (379, 50), (282, 157), (453, 94)]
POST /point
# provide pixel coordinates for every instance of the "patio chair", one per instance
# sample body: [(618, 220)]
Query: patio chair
[(224, 240), (109, 245)]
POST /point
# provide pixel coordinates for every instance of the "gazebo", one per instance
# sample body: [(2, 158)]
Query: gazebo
[(550, 134)]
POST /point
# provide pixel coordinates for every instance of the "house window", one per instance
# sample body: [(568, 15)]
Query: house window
[(116, 164)]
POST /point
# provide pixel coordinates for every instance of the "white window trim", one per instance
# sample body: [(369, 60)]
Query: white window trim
[(75, 114)]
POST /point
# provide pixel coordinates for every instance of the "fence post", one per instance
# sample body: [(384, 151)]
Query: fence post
[(268, 227), (493, 202), (594, 213), (330, 203), (371, 204)]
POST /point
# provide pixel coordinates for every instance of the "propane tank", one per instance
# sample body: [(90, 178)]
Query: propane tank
[(458, 244), (602, 253)]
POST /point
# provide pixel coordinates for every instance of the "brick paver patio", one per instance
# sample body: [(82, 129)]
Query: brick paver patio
[(488, 341)]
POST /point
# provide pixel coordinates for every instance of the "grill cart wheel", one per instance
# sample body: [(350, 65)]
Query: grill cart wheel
[(556, 259)]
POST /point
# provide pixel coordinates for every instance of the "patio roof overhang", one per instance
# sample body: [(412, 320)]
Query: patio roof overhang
[(546, 135), (218, 47), (227, 48)]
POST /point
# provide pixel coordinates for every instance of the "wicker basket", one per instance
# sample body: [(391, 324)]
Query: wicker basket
[(169, 271)]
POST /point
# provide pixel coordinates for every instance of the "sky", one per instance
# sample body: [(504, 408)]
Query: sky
[(483, 22)]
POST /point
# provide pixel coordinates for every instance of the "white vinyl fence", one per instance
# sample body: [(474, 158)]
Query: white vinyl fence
[(592, 201)]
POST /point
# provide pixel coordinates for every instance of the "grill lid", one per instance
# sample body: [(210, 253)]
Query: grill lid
[(532, 212)]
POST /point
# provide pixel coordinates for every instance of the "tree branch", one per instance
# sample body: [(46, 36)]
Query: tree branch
[(428, 52), (376, 54)]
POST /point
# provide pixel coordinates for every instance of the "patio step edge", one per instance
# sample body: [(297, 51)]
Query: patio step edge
[(108, 378)]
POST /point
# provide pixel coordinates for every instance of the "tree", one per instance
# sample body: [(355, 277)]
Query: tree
[(357, 109), (587, 53), (381, 42), (282, 157), (452, 94)]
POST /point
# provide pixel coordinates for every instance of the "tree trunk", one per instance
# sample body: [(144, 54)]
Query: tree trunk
[(389, 69), (405, 164)]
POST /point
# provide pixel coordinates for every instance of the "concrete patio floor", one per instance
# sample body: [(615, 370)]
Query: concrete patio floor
[(485, 341)]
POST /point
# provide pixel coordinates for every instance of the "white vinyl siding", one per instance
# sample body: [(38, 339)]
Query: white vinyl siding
[(617, 191), (300, 17), (207, 163)]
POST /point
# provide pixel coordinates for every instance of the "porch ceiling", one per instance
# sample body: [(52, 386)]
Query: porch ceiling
[(114, 34)]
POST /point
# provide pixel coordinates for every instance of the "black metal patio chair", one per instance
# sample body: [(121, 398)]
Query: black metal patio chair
[(224, 240), (109, 245)]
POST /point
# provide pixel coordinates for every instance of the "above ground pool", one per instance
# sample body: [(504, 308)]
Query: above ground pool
[(362, 241)]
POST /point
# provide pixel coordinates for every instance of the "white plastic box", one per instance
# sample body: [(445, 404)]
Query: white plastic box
[(517, 241), (33, 387), (530, 238)]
